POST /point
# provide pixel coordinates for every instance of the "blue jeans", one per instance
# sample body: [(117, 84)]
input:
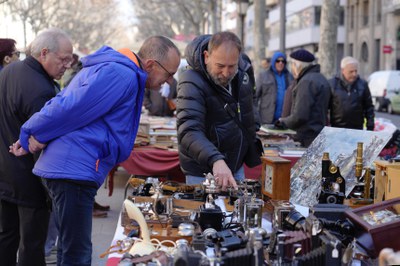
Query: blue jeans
[(194, 180), (52, 235), (73, 206)]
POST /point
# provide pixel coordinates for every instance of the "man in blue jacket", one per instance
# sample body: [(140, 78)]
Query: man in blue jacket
[(271, 87), (87, 129)]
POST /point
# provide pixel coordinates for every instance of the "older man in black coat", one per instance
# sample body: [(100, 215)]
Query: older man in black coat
[(310, 99), (25, 87)]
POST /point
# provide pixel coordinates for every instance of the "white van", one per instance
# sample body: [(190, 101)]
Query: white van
[(383, 86)]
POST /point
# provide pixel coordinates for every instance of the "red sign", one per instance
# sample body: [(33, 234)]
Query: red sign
[(387, 49)]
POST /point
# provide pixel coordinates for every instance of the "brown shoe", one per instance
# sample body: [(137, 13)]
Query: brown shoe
[(99, 207), (99, 214)]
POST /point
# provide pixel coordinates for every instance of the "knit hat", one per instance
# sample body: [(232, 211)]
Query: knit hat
[(302, 55)]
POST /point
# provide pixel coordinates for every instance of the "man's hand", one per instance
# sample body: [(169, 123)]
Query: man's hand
[(223, 175), (34, 145), (17, 149)]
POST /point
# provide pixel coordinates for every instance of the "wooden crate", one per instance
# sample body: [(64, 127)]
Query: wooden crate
[(375, 229), (387, 181)]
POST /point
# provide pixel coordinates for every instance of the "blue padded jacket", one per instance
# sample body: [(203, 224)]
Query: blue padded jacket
[(91, 125)]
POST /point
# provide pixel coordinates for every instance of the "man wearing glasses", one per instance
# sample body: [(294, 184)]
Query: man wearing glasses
[(87, 129), (8, 52), (25, 87), (271, 86)]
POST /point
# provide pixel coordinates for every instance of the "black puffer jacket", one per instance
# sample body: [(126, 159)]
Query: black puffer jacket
[(310, 102), (206, 132), (350, 105)]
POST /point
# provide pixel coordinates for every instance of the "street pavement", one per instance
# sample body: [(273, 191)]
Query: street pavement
[(104, 228)]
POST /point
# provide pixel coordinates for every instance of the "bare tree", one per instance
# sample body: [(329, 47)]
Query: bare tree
[(328, 40), (173, 17), (89, 23), (259, 33), (35, 13)]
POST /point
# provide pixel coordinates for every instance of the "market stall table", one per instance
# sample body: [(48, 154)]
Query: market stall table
[(151, 161)]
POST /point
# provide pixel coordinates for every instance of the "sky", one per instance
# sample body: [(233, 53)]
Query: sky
[(9, 28)]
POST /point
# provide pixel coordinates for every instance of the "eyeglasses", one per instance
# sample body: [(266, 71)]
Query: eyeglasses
[(65, 60), (169, 73), (281, 61), (17, 53)]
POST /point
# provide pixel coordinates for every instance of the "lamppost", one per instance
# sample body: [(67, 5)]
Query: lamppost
[(241, 6)]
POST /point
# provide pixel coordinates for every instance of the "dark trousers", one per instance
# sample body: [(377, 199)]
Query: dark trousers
[(22, 229), (73, 206)]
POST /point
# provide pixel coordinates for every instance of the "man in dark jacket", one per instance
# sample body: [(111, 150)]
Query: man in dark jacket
[(105, 100), (25, 87), (215, 95), (310, 99), (351, 100), (271, 87)]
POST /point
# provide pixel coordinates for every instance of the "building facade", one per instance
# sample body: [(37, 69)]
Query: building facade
[(303, 27), (373, 34)]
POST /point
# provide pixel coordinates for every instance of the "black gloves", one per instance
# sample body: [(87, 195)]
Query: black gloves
[(279, 124)]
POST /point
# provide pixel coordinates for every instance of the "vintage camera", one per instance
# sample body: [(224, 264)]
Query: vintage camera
[(210, 216), (331, 197), (185, 255), (281, 208), (333, 185)]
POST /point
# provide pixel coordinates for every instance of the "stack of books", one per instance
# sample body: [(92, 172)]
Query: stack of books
[(161, 131)]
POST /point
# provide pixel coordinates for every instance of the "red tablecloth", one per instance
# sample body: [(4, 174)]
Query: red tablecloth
[(150, 161)]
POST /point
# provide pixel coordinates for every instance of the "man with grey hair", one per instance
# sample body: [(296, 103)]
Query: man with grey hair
[(105, 101), (351, 101), (25, 87), (310, 99)]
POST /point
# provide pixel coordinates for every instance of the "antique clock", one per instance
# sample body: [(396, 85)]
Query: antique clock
[(275, 177)]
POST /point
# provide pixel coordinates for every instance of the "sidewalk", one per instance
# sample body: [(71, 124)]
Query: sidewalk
[(104, 228)]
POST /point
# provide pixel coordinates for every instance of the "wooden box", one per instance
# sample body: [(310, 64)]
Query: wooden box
[(275, 177), (377, 226), (387, 181)]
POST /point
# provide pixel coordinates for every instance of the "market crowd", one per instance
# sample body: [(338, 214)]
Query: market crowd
[(58, 144)]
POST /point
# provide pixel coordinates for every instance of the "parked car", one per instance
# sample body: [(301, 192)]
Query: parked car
[(394, 106), (384, 85)]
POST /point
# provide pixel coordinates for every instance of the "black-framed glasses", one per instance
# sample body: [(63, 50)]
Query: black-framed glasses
[(281, 61), (169, 73), (17, 53)]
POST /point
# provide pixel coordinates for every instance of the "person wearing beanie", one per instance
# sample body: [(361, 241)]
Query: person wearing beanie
[(351, 100), (271, 85), (310, 99), (8, 52)]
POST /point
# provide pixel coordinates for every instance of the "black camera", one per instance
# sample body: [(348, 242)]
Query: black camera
[(331, 197), (210, 217)]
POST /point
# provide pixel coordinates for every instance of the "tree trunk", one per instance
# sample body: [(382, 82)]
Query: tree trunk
[(259, 34), (328, 41)]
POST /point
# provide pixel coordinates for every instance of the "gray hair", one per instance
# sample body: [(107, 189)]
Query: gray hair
[(157, 47), (49, 39), (348, 60), (299, 65)]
